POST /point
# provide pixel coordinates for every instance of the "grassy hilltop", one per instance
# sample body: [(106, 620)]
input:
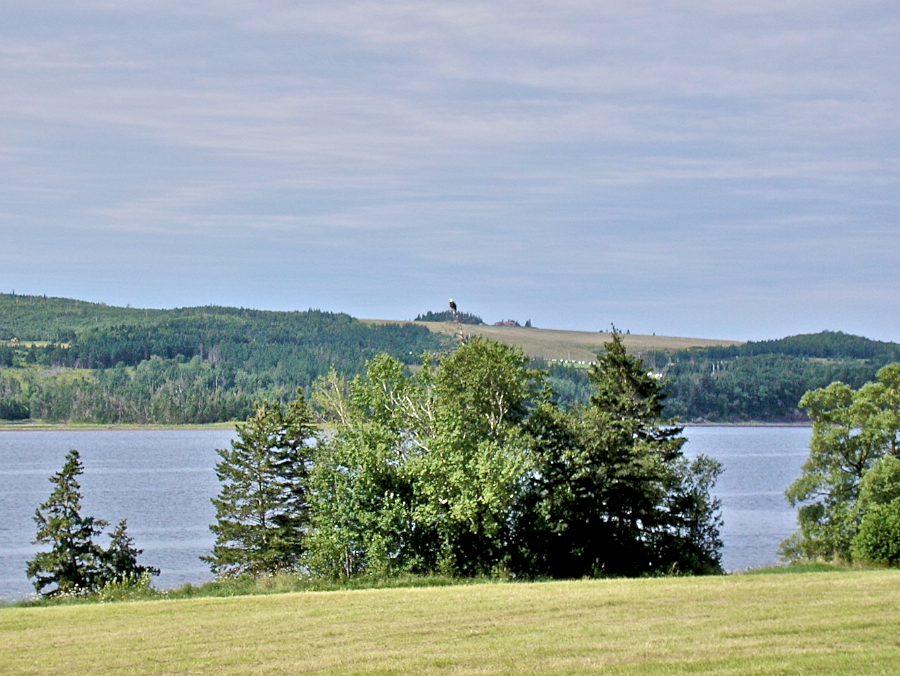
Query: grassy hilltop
[(828, 623), (558, 344)]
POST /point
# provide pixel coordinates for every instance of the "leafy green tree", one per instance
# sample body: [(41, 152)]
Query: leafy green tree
[(75, 563), (361, 493), (422, 470), (469, 482), (612, 493), (262, 509), (360, 518), (878, 537), (852, 430)]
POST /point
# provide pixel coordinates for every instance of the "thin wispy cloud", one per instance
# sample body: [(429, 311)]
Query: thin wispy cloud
[(694, 167)]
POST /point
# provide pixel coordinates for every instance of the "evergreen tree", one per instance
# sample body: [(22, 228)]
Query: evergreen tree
[(120, 559), (262, 509), (612, 493), (75, 563)]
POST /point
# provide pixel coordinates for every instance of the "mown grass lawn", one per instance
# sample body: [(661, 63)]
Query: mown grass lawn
[(825, 623)]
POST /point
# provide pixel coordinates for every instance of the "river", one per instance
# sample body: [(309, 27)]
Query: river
[(162, 482)]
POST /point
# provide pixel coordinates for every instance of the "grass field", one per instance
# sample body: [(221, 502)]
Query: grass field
[(824, 623), (574, 345)]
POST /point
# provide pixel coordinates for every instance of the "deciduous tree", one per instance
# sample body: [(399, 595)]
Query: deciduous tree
[(852, 431)]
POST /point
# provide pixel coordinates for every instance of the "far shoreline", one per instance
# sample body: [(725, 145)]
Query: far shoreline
[(743, 424), (37, 426), (7, 426)]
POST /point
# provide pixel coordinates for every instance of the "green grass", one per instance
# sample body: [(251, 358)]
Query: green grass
[(827, 623), (248, 585), (802, 567)]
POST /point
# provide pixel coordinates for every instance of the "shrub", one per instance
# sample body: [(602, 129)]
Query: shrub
[(878, 539)]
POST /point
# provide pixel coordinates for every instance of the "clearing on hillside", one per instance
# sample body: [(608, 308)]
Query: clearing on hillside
[(555, 344)]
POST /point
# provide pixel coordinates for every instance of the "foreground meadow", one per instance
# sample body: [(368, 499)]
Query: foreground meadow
[(827, 623)]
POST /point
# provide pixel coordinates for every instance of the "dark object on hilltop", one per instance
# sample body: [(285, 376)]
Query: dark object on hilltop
[(450, 316)]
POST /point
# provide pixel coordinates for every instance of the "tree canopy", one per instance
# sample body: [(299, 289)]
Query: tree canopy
[(467, 466), (850, 476)]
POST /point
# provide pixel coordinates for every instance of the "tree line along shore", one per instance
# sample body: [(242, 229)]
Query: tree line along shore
[(469, 467)]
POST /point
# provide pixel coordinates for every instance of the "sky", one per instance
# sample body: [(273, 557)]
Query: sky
[(704, 168)]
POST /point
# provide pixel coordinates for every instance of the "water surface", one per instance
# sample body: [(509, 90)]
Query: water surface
[(162, 482)]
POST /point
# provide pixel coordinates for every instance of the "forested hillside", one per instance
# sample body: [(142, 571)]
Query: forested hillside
[(71, 361), (65, 360), (764, 381)]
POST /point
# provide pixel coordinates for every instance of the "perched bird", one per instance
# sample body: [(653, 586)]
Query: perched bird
[(452, 306)]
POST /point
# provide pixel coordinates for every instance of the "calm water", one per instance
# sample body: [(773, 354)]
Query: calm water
[(760, 463), (162, 482)]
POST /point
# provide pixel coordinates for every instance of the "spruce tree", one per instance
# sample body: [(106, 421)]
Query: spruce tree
[(75, 562), (120, 559), (612, 493), (262, 509)]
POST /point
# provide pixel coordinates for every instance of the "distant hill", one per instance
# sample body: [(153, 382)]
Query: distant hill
[(560, 345), (764, 381), (709, 380), (826, 345), (39, 318), (73, 361), (202, 364)]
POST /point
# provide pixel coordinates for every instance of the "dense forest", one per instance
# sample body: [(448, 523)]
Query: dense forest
[(72, 361), (754, 382), (449, 316), (764, 381), (65, 360)]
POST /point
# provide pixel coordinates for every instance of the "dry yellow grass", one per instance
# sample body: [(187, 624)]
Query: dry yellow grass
[(557, 344), (828, 623)]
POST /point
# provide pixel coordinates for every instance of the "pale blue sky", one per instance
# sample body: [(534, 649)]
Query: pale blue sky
[(704, 168)]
